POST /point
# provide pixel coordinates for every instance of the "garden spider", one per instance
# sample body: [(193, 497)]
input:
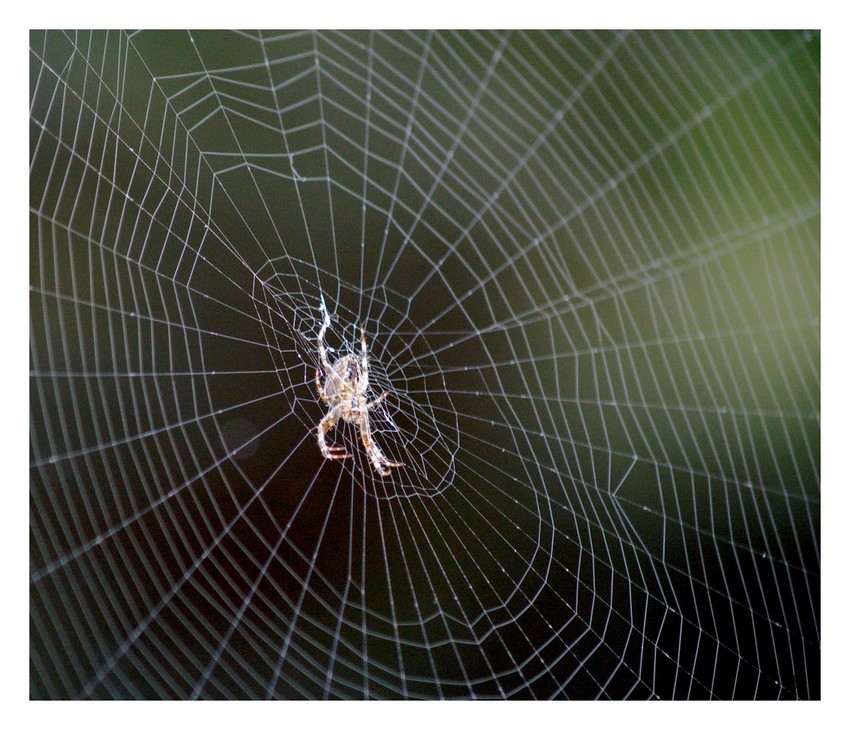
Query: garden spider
[(346, 382)]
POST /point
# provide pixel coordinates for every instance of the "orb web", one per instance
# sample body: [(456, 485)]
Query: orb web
[(587, 267)]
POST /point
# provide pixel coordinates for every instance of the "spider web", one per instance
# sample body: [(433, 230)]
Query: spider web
[(587, 267)]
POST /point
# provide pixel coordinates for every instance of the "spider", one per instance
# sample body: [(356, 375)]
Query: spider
[(346, 381)]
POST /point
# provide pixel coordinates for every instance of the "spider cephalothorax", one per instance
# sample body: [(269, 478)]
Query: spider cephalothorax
[(345, 387)]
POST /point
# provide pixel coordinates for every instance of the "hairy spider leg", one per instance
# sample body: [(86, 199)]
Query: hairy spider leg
[(364, 363), (319, 386), (364, 359), (322, 352), (379, 461), (325, 425), (378, 399)]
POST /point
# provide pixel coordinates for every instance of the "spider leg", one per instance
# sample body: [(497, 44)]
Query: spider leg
[(364, 360), (323, 355), (381, 463), (325, 425), (378, 399), (319, 386)]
